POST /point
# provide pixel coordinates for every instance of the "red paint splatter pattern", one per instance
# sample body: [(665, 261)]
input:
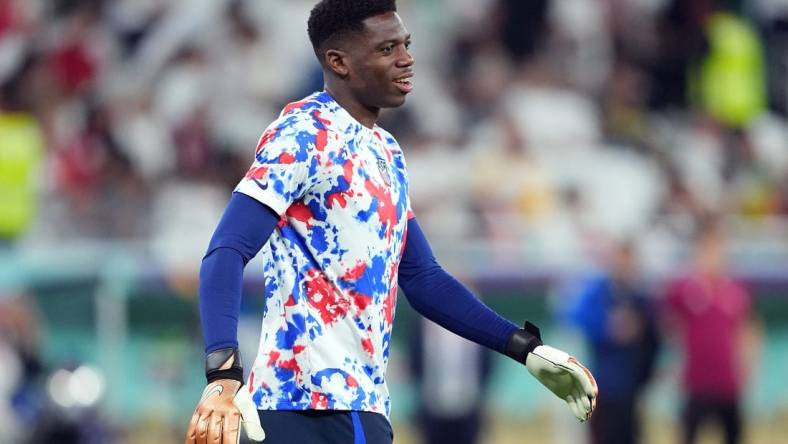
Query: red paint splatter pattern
[(330, 266)]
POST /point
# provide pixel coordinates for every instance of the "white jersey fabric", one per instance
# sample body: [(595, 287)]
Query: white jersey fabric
[(331, 265)]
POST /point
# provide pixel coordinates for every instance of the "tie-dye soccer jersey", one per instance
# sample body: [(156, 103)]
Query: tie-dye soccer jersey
[(331, 264)]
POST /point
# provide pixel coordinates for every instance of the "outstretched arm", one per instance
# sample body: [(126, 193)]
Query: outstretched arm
[(439, 297)]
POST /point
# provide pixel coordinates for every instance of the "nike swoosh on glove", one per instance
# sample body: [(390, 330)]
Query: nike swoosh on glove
[(563, 375)]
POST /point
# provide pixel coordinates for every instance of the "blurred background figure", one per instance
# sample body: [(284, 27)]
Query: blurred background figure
[(712, 314), (451, 376), (22, 400), (617, 318), (21, 151), (39, 404)]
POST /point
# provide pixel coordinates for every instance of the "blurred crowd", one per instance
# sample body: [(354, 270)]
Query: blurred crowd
[(544, 131), (543, 126)]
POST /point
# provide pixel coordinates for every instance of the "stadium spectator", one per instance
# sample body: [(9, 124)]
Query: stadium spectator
[(712, 314), (615, 315), (21, 394), (21, 151)]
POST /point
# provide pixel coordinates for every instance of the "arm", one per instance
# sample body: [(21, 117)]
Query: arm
[(750, 338), (244, 228), (280, 175), (441, 298)]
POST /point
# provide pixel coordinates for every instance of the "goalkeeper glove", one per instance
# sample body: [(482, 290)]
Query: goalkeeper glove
[(561, 373), (225, 405)]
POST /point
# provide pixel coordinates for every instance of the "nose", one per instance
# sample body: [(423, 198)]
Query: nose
[(405, 60)]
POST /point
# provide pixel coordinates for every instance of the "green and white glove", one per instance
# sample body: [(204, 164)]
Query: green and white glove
[(561, 373), (565, 377)]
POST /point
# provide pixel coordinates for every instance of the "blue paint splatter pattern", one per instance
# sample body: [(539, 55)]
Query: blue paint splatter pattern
[(331, 265)]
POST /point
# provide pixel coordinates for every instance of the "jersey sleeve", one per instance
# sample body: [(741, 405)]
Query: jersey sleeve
[(285, 166)]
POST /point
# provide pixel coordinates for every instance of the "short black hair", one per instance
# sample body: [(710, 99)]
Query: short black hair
[(335, 17)]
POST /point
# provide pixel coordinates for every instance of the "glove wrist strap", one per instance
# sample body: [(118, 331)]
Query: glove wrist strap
[(218, 359), (523, 341)]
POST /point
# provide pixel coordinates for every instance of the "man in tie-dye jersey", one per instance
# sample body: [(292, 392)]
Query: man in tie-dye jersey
[(326, 202)]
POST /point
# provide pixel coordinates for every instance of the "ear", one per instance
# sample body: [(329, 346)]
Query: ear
[(337, 61)]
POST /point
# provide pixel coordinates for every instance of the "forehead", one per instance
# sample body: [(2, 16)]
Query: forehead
[(384, 27)]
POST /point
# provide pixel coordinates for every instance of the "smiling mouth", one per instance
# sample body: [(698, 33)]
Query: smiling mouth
[(404, 84)]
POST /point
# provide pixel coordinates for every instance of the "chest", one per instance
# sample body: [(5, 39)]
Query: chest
[(361, 186), (717, 302)]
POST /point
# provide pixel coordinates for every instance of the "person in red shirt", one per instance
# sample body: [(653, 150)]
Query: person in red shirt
[(711, 312)]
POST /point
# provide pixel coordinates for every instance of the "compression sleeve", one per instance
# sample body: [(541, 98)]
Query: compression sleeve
[(442, 299), (244, 228)]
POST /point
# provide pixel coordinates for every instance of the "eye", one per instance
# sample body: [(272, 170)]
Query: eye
[(387, 50), (407, 44)]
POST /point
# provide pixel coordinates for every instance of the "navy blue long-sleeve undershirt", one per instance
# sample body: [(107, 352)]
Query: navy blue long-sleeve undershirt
[(246, 226), (439, 297)]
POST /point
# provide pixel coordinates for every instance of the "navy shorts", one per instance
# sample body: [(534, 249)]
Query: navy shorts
[(325, 427)]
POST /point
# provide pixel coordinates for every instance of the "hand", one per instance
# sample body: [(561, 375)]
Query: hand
[(220, 412), (566, 378)]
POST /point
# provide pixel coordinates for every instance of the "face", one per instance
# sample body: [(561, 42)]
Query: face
[(379, 63), (624, 260), (712, 253)]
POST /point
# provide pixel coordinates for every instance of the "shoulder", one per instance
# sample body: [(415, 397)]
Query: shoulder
[(305, 122), (594, 284), (318, 110), (677, 287), (309, 114), (740, 291), (682, 279), (386, 138)]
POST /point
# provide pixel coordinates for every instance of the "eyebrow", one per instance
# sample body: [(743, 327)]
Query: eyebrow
[(384, 42)]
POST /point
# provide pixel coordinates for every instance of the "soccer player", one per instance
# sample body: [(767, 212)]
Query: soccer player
[(327, 195)]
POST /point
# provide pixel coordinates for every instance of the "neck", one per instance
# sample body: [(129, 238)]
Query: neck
[(365, 115)]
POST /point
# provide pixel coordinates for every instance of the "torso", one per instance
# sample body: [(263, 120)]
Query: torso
[(331, 266)]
